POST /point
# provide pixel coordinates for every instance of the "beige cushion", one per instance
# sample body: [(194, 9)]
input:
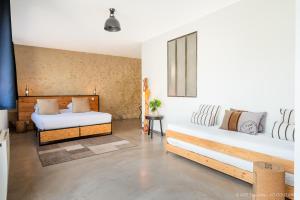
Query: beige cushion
[(226, 118), (249, 122), (48, 106), (80, 104), (245, 122), (262, 123)]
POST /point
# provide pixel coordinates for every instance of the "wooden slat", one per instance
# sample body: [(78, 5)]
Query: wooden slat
[(214, 164), (232, 151), (54, 135), (95, 129)]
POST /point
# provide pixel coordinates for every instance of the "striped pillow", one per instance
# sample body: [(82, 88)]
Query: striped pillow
[(288, 115), (283, 131), (206, 115)]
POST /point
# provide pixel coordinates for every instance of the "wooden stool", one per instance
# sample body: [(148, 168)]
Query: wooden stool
[(20, 126), (269, 181)]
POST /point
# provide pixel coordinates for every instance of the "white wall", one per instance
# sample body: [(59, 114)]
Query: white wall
[(297, 89), (245, 60), (3, 119)]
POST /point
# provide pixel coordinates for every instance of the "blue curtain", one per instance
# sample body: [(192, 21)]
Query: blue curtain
[(8, 81)]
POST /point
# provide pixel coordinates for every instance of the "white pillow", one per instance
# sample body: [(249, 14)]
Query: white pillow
[(36, 108), (70, 105), (65, 111)]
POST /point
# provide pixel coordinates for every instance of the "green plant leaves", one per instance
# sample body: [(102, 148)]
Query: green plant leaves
[(154, 104)]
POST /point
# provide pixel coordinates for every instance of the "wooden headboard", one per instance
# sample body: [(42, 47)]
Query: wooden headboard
[(26, 104)]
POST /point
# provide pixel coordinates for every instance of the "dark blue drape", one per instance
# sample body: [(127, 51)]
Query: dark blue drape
[(8, 82)]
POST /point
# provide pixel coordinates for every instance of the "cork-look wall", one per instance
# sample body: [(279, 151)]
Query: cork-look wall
[(60, 72)]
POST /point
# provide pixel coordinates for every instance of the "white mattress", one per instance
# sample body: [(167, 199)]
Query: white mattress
[(259, 143), (69, 119)]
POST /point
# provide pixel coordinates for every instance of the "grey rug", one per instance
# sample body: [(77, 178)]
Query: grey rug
[(67, 151)]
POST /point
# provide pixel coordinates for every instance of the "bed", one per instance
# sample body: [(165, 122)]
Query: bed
[(232, 153), (66, 125), (67, 119)]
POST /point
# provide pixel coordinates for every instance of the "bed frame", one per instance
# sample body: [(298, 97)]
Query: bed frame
[(26, 108), (229, 150)]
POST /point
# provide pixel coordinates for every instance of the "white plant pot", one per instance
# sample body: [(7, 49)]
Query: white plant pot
[(155, 112)]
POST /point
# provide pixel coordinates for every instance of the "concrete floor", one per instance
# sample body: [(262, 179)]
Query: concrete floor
[(143, 172)]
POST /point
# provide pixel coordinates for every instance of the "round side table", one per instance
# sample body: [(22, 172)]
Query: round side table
[(151, 119)]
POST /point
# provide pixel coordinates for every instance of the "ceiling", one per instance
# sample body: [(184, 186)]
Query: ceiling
[(78, 24)]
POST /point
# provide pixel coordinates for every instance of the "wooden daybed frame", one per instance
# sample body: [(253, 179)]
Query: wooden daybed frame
[(26, 108), (229, 150)]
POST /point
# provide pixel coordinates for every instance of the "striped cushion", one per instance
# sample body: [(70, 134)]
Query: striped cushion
[(206, 115), (288, 115), (283, 131)]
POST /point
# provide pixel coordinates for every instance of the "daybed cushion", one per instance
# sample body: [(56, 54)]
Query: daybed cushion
[(69, 119)]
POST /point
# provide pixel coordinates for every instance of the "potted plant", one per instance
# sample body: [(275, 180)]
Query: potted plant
[(154, 105)]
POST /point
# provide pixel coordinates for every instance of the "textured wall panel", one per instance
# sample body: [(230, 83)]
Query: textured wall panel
[(59, 72)]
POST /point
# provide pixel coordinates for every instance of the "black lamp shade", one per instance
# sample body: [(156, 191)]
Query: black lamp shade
[(8, 82), (112, 24)]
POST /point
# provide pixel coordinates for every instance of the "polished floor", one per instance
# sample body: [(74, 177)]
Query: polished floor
[(143, 172)]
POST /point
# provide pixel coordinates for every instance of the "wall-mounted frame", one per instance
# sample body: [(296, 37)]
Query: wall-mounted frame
[(182, 66)]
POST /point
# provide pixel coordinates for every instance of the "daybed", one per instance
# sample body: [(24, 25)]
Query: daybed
[(66, 125), (232, 153)]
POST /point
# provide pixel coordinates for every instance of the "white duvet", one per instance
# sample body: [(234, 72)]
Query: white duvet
[(68, 119)]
